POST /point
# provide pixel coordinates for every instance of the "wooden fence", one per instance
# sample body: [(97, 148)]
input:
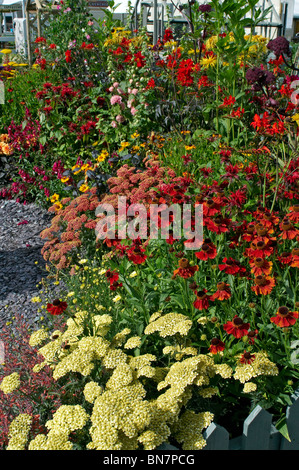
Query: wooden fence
[(258, 432)]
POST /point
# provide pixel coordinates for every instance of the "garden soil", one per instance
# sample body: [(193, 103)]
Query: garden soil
[(21, 264)]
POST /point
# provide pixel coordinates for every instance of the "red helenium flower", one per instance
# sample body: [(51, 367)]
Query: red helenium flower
[(263, 285), (236, 327), (208, 251), (57, 307), (185, 270), (284, 317), (223, 292), (216, 346), (247, 358), (202, 300)]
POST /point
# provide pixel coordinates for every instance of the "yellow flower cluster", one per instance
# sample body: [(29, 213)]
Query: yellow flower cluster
[(123, 416), (249, 387), (169, 325), (178, 352), (188, 430), (18, 432), (91, 391), (142, 365), (118, 416), (258, 42), (38, 337), (193, 370), (52, 441), (117, 36), (133, 342), (66, 419), (261, 365), (10, 383), (102, 156)]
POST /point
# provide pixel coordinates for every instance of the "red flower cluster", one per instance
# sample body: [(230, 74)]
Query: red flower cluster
[(185, 72)]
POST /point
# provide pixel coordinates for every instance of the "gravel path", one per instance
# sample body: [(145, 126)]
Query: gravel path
[(20, 246)]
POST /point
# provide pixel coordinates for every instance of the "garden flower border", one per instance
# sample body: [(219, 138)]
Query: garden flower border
[(258, 432)]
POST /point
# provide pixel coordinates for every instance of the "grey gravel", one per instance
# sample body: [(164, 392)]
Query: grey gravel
[(22, 266)]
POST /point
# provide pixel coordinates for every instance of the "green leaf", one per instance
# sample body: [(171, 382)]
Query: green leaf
[(43, 139), (281, 426)]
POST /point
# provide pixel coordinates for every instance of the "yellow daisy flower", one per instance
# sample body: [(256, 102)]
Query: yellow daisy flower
[(83, 188)]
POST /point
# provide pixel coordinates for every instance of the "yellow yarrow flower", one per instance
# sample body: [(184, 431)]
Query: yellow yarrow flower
[(18, 432), (10, 383)]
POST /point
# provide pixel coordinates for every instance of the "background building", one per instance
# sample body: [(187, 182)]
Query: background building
[(155, 14)]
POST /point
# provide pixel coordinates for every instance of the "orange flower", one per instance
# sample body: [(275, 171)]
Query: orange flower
[(223, 292), (269, 220), (285, 258), (259, 249), (6, 148), (252, 335), (4, 138), (249, 233), (236, 327), (293, 214), (210, 207), (284, 317), (202, 300), (295, 258), (232, 266), (263, 284), (208, 250), (216, 346), (260, 266), (185, 270), (263, 231), (218, 225), (289, 232)]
